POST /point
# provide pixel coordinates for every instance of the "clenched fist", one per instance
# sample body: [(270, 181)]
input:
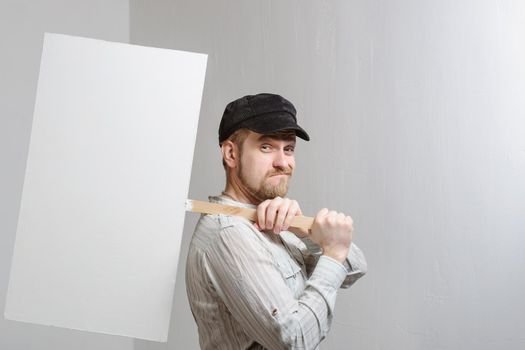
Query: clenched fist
[(333, 232)]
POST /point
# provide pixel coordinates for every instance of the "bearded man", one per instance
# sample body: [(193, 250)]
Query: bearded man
[(265, 285)]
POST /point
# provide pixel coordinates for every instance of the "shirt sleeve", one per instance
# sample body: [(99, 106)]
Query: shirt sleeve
[(355, 262), (252, 287)]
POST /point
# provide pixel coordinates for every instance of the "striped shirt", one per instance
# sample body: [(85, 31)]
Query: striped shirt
[(252, 290)]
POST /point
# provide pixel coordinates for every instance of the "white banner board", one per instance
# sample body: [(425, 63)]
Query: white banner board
[(107, 176)]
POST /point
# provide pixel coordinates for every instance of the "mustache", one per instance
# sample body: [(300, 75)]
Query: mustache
[(279, 172)]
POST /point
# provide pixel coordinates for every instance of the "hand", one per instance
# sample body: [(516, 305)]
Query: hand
[(333, 232), (276, 214)]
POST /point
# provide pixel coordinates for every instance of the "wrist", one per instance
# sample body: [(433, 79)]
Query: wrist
[(339, 255)]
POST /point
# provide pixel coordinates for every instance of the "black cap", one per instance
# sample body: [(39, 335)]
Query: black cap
[(262, 113)]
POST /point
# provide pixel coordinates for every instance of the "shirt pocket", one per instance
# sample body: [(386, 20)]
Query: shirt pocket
[(293, 277)]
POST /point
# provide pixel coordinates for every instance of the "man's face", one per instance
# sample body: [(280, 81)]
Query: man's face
[(266, 165)]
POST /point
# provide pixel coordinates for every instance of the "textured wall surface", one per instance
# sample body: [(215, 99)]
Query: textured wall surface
[(416, 111), (417, 114), (22, 27)]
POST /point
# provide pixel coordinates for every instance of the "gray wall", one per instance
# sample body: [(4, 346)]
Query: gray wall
[(22, 27), (417, 114)]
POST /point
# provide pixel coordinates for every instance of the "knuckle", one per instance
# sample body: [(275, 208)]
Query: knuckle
[(273, 206), (274, 202), (322, 213)]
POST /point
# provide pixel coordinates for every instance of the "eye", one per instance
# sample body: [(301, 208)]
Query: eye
[(266, 147), (289, 150)]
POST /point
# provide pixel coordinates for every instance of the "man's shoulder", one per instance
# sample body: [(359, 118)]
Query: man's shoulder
[(211, 228), (220, 222)]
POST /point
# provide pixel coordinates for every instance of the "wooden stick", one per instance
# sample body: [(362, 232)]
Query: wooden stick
[(303, 222)]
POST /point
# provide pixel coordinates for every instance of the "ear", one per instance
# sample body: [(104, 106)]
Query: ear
[(230, 154)]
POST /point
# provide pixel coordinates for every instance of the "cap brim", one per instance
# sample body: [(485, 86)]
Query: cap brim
[(269, 124)]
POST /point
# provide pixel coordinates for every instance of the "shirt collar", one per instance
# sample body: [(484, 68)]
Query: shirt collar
[(222, 199)]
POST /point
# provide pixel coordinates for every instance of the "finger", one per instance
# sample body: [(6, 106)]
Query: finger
[(322, 213), (349, 222), (282, 214), (299, 211), (320, 216), (261, 214), (271, 212), (331, 217), (293, 211)]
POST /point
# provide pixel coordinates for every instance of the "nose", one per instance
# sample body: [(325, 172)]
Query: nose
[(281, 160)]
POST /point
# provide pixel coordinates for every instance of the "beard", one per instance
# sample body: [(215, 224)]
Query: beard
[(264, 190)]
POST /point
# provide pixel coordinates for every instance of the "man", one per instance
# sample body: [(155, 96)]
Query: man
[(258, 285)]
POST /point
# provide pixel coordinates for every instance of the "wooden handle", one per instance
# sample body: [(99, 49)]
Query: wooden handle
[(302, 222)]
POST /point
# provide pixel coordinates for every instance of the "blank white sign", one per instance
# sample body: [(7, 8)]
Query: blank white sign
[(107, 176)]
